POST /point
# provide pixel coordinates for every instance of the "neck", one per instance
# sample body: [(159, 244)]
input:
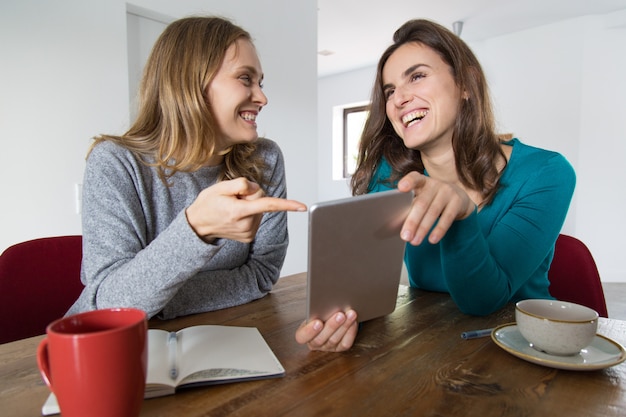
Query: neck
[(441, 164), (218, 157), (215, 160)]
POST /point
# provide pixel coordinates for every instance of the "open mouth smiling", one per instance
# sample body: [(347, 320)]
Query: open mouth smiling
[(413, 117), (248, 116)]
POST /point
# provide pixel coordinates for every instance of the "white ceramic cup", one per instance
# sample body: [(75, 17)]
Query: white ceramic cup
[(556, 327)]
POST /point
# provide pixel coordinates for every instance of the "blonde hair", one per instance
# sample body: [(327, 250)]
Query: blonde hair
[(175, 129)]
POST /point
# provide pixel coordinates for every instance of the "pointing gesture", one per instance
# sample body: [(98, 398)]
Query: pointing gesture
[(233, 210)]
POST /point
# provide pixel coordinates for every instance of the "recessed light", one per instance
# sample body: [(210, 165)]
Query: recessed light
[(325, 52)]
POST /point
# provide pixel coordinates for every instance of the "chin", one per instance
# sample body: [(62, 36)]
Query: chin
[(243, 139), (250, 140), (411, 144)]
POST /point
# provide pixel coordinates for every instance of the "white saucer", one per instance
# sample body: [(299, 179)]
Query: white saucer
[(602, 353)]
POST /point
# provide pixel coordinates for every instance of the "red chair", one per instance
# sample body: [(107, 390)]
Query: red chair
[(39, 281), (574, 275)]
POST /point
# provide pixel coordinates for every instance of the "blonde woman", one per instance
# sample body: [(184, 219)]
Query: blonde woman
[(185, 212)]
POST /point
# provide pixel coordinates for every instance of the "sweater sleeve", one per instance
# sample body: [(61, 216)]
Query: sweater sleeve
[(252, 279), (484, 266), (136, 255)]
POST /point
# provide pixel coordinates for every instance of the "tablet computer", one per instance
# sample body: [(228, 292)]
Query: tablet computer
[(355, 254)]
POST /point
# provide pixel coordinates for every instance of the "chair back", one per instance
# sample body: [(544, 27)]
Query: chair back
[(39, 281), (574, 275)]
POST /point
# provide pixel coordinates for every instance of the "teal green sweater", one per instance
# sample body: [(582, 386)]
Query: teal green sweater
[(501, 253)]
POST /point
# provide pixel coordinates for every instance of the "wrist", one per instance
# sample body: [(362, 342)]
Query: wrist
[(469, 210), (205, 235)]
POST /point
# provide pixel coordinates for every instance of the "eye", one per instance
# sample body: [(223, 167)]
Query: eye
[(417, 76), (388, 93), (246, 79)]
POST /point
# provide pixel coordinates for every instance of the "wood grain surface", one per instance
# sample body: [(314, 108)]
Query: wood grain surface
[(412, 362)]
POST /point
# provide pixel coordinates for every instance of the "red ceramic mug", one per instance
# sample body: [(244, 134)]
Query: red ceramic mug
[(95, 362)]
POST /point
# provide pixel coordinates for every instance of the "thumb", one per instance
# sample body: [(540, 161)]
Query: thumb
[(240, 187)]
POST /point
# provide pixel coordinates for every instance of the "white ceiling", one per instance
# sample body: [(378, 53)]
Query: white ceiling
[(358, 31)]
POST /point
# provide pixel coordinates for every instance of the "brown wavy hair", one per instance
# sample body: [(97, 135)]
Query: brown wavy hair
[(475, 143), (175, 129)]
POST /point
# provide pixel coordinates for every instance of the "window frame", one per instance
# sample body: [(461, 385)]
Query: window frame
[(347, 150)]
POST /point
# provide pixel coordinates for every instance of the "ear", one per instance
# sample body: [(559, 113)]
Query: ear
[(473, 82)]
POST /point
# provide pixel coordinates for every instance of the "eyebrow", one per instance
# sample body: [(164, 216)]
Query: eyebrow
[(251, 69), (407, 72)]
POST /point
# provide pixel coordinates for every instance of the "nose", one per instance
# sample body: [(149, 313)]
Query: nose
[(400, 96), (258, 96)]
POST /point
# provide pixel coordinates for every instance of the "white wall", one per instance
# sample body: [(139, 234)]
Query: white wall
[(560, 87), (568, 96), (64, 78), (142, 30), (347, 88), (601, 199), (537, 91)]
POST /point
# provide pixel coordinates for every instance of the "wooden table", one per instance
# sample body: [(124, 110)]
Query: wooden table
[(410, 363)]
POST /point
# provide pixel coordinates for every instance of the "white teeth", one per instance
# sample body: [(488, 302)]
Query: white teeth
[(414, 116), (248, 116)]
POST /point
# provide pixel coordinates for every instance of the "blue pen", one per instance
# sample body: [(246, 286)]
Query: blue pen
[(473, 334), (172, 345)]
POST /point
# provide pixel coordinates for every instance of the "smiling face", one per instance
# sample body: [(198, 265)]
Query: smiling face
[(422, 98), (235, 94)]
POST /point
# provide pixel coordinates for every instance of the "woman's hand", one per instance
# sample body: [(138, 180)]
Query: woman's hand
[(337, 334), (434, 201), (233, 210)]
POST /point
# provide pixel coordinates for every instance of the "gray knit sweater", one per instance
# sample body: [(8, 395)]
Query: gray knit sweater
[(139, 250)]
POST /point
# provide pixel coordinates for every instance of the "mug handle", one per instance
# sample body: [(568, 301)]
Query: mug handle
[(43, 362)]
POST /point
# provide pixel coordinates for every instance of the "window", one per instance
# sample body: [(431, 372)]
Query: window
[(348, 122)]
